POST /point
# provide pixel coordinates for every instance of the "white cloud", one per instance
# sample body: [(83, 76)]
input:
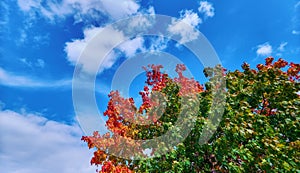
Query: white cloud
[(98, 43), (190, 18), (118, 9), (131, 46), (264, 49), (100, 46), (9, 79), (282, 46), (80, 9), (31, 143), (35, 6), (295, 32), (95, 46), (206, 8), (27, 5), (143, 20), (185, 26)]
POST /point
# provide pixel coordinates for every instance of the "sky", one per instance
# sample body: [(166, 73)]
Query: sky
[(41, 42)]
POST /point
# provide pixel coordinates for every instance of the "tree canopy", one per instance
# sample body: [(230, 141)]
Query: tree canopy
[(258, 131)]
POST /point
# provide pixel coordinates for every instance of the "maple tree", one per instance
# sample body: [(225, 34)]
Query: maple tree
[(258, 132)]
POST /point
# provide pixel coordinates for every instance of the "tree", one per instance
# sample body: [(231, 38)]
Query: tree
[(259, 130)]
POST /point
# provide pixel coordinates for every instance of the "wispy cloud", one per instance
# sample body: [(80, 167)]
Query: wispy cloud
[(296, 19), (4, 19), (185, 26), (9, 79), (40, 63), (31, 143), (295, 32), (206, 8), (264, 49), (157, 44), (26, 36), (22, 37), (282, 46), (81, 10), (297, 4), (32, 64)]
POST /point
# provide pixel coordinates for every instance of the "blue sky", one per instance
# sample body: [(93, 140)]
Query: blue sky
[(41, 41)]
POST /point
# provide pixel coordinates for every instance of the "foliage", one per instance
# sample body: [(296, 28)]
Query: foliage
[(259, 130)]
